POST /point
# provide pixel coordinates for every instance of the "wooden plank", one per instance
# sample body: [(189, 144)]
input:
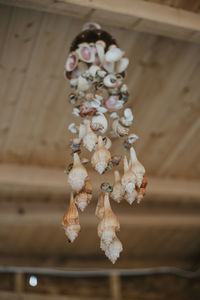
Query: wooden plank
[(138, 15), (115, 286), (38, 178)]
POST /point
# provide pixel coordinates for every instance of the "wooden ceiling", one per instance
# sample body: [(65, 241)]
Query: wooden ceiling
[(163, 79), (191, 5)]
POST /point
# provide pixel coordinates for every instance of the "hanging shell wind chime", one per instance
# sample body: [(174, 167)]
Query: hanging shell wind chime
[(96, 68)]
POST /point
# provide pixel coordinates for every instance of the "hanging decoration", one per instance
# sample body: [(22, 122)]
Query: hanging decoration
[(96, 69)]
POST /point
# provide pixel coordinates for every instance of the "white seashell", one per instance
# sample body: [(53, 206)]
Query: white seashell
[(102, 109), (110, 81), (109, 66), (101, 157), (100, 46), (93, 70), (128, 179), (113, 54), (130, 197), (90, 138), (124, 88), (99, 122), (86, 53), (99, 98), (83, 84), (103, 246), (76, 112), (72, 128), (107, 142), (136, 167), (121, 65), (108, 235), (118, 129), (114, 115), (70, 221), (128, 117), (82, 131), (101, 73), (77, 175), (93, 104), (82, 200), (113, 250), (119, 105), (132, 138), (73, 83), (118, 191), (71, 62)]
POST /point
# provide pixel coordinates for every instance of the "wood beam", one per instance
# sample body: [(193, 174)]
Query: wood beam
[(139, 15), (16, 179)]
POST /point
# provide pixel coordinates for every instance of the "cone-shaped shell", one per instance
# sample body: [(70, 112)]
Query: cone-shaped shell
[(113, 250), (90, 138), (118, 190), (101, 157), (109, 224), (77, 175), (131, 197), (70, 221), (82, 200), (136, 167), (129, 178)]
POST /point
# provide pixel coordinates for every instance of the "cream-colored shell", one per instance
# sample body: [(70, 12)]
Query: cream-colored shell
[(100, 46), (93, 70), (127, 119), (90, 138), (70, 221), (118, 191), (77, 175), (131, 197), (129, 178), (100, 123), (121, 65), (83, 84), (113, 54), (101, 157), (82, 200), (136, 167), (118, 129), (99, 213), (110, 81), (113, 250)]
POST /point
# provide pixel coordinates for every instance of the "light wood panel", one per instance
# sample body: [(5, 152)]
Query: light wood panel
[(163, 79), (138, 15)]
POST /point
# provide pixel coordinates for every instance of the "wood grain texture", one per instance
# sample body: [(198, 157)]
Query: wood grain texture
[(143, 16)]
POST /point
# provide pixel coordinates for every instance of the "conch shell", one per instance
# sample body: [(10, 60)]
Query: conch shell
[(90, 138), (70, 221), (99, 123), (77, 175), (118, 190), (85, 196), (113, 250), (109, 224), (118, 129), (129, 178), (136, 167), (130, 197), (101, 157)]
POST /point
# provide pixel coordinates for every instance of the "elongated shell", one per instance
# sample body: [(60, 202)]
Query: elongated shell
[(77, 175), (100, 123), (113, 54), (109, 224), (136, 167), (129, 178), (70, 221), (85, 196), (101, 157), (121, 65), (90, 138), (100, 46), (113, 250), (118, 129), (118, 190)]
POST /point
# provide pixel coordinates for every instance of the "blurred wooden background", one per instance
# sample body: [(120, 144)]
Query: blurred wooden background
[(162, 41)]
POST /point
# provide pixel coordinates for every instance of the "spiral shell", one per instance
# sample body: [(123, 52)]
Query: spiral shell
[(90, 138), (101, 157), (77, 175), (113, 250), (118, 191), (129, 178), (136, 167)]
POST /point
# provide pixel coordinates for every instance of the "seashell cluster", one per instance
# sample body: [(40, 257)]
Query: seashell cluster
[(96, 69)]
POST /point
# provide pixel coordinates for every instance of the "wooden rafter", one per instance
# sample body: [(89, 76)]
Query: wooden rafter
[(129, 14)]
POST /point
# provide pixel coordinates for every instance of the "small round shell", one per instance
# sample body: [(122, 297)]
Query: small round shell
[(100, 123), (110, 81)]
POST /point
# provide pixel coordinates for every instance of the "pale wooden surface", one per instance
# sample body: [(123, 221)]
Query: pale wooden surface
[(140, 15)]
